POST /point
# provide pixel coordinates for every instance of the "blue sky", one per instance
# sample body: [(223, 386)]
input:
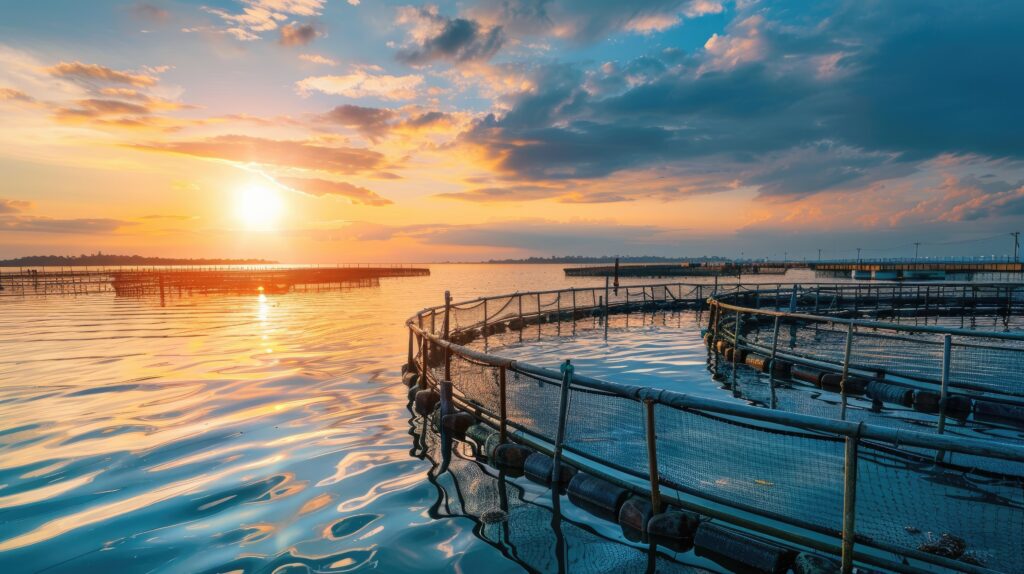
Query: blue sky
[(496, 128)]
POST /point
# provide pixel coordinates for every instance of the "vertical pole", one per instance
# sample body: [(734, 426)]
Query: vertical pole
[(424, 382), (563, 410), (771, 362), (409, 359), (846, 369), (947, 347), (485, 325), (735, 345), (606, 300), (652, 458), (446, 409), (849, 500), (522, 327), (447, 334), (502, 406)]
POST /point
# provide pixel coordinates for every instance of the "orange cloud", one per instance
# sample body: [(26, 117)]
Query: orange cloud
[(94, 72), (321, 187), (289, 153)]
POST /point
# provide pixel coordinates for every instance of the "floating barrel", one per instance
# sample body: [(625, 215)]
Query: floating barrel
[(998, 412), (738, 355), (720, 346), (458, 422), (426, 401), (495, 328), (759, 362), (515, 324), (958, 406), (479, 433), (674, 529), (511, 456), (729, 353), (410, 379), (834, 382), (887, 393), (807, 374), (405, 368), (490, 445), (806, 563), (926, 402), (598, 497), (538, 468), (781, 368), (738, 551), (412, 393), (633, 517)]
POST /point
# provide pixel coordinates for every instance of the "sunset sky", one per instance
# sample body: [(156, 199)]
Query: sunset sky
[(369, 130)]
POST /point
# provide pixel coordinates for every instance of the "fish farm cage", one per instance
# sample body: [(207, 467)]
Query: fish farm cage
[(761, 488)]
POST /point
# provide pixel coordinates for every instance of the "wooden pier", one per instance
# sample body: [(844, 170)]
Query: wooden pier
[(166, 281)]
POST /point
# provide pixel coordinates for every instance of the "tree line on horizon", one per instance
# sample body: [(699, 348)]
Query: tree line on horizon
[(125, 260)]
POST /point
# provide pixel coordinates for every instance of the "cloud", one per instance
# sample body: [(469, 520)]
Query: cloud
[(84, 226), (321, 187), (288, 153), (787, 108), (434, 37), (91, 73), (363, 82), (150, 12), (259, 16), (13, 205), (297, 34), (10, 94), (373, 123), (587, 21), (318, 59)]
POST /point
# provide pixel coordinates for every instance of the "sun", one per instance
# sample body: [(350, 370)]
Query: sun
[(258, 207)]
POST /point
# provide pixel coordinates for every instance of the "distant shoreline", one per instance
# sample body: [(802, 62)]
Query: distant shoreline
[(120, 260)]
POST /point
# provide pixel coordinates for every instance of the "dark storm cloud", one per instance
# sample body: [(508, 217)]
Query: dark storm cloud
[(455, 40), (794, 108)]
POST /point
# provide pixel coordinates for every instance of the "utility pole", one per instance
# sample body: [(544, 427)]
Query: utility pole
[(819, 255), (1016, 245), (917, 244), (858, 255)]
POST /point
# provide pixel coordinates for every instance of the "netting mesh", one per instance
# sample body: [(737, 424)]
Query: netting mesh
[(905, 499), (783, 472)]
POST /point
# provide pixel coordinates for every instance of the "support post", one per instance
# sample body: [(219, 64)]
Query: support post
[(563, 411), (606, 300), (771, 362), (446, 409), (447, 334), (522, 327), (735, 345), (849, 500), (409, 359), (652, 458), (502, 406), (484, 328), (947, 347), (846, 369)]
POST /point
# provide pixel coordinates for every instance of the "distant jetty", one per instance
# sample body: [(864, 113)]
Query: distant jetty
[(169, 281)]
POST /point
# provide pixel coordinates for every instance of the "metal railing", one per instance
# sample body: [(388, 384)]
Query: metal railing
[(855, 490)]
